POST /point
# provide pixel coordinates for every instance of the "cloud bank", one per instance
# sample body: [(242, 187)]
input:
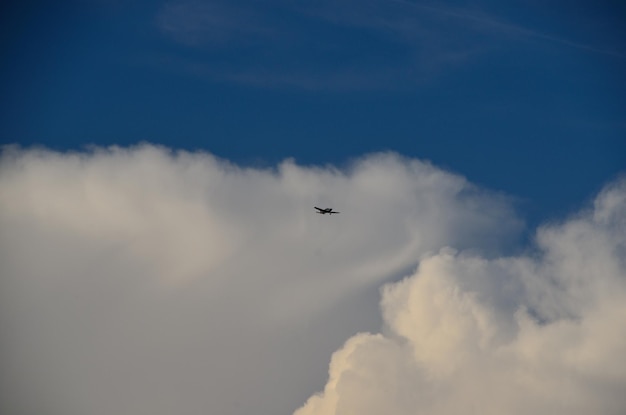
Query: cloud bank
[(145, 281), (540, 333)]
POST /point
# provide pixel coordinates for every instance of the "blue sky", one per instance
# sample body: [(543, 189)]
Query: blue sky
[(139, 279), (524, 97)]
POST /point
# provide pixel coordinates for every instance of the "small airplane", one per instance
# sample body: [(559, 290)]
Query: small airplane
[(321, 211)]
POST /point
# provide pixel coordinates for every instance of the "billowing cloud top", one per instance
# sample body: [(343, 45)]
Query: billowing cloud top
[(144, 281), (543, 333)]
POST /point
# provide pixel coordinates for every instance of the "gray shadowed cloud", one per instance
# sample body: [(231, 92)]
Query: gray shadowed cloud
[(540, 333), (140, 280)]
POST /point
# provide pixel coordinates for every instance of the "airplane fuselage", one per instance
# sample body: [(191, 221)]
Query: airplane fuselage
[(321, 211)]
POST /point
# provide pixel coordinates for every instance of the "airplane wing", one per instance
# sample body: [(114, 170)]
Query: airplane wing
[(330, 211)]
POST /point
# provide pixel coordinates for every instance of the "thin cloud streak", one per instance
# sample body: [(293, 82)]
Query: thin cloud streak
[(490, 22), (215, 24), (274, 48)]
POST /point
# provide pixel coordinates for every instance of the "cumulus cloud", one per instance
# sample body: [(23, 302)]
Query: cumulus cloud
[(539, 333), (141, 280)]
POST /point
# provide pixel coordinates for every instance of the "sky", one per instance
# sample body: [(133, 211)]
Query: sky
[(161, 160), (527, 89)]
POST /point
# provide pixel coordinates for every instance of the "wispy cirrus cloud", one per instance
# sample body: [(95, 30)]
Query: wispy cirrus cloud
[(212, 24), (340, 44), (484, 21), (333, 45)]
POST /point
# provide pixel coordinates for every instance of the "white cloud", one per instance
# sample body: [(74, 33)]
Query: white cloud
[(144, 281), (542, 333)]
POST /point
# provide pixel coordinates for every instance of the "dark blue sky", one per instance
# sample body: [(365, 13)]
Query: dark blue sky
[(527, 97)]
